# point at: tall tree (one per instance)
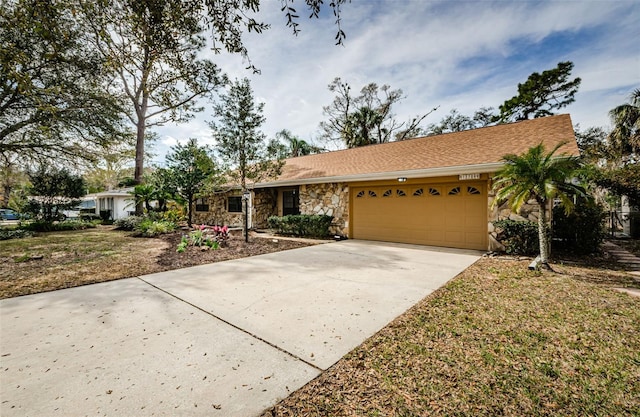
(190, 168)
(542, 94)
(52, 98)
(542, 176)
(593, 145)
(240, 142)
(153, 46)
(367, 118)
(624, 139)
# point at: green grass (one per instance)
(497, 340)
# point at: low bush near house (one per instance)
(152, 228)
(130, 223)
(301, 225)
(518, 237)
(45, 226)
(581, 231)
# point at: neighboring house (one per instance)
(433, 190)
(119, 202)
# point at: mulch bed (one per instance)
(235, 248)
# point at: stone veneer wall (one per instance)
(265, 205)
(529, 211)
(217, 214)
(331, 199)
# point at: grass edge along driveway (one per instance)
(496, 340)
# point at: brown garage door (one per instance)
(451, 215)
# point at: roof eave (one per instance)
(377, 176)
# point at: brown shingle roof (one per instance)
(473, 147)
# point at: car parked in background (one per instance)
(8, 214)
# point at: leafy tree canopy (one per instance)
(53, 190)
(623, 181)
(189, 169)
(542, 94)
(457, 122)
(153, 48)
(52, 98)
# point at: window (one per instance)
(360, 194)
(372, 194)
(290, 202)
(387, 193)
(473, 190)
(202, 204)
(401, 193)
(418, 192)
(234, 204)
(454, 191)
(434, 191)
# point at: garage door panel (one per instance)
(451, 215)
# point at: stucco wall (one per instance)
(331, 199)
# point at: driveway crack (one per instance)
(234, 326)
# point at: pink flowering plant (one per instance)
(221, 234)
(199, 237)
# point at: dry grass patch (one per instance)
(497, 340)
(57, 260)
(67, 259)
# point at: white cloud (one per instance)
(454, 54)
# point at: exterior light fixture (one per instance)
(402, 179)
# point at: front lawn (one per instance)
(56, 260)
(497, 340)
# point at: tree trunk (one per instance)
(543, 236)
(139, 168)
(189, 210)
(6, 194)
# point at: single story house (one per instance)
(433, 190)
(118, 202)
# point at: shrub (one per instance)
(199, 238)
(173, 215)
(518, 237)
(301, 225)
(581, 231)
(14, 234)
(152, 228)
(44, 226)
(128, 223)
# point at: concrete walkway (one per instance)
(227, 339)
(630, 262)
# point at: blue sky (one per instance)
(452, 54)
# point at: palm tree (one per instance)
(540, 176)
(296, 146)
(625, 136)
(363, 128)
(143, 194)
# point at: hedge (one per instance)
(302, 225)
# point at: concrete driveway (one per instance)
(228, 339)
